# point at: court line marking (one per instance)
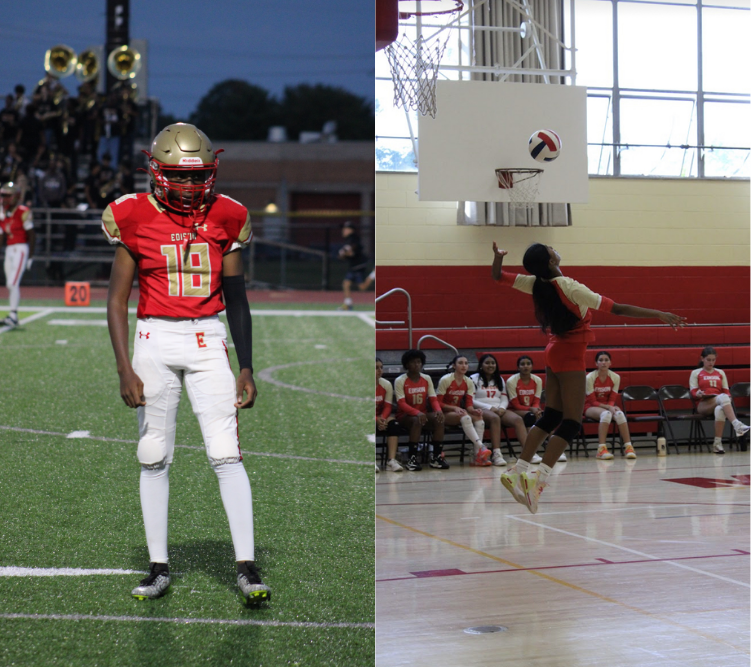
(570, 585)
(191, 620)
(188, 447)
(627, 549)
(266, 375)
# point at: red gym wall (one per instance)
(455, 296)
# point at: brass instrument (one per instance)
(87, 68)
(60, 61)
(124, 63)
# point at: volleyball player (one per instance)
(563, 310)
(384, 421)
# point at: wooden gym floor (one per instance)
(626, 563)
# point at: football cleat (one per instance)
(155, 584)
(252, 589)
(10, 321)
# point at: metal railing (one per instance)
(435, 338)
(399, 322)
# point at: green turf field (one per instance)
(72, 503)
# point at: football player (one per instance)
(17, 234)
(184, 240)
(353, 253)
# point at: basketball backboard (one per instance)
(480, 126)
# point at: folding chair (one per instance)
(641, 404)
(581, 439)
(678, 406)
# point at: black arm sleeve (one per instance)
(238, 317)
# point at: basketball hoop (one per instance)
(522, 185)
(414, 64)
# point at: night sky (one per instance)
(194, 44)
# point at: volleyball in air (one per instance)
(544, 145)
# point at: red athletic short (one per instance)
(566, 356)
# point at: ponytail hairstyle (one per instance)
(452, 364)
(603, 352)
(550, 311)
(496, 377)
(707, 350)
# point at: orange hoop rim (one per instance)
(458, 6)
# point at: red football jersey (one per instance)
(171, 284)
(15, 224)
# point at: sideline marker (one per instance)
(77, 293)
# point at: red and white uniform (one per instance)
(179, 335)
(601, 391)
(384, 397)
(489, 396)
(711, 383)
(453, 392)
(14, 226)
(524, 395)
(413, 397)
(172, 285)
(578, 298)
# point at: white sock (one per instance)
(234, 487)
(348, 301)
(14, 297)
(521, 466)
(627, 444)
(543, 471)
(718, 440)
(738, 424)
(154, 490)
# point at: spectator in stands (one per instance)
(599, 405)
(456, 393)
(48, 113)
(352, 252)
(562, 307)
(87, 115)
(384, 421)
(492, 400)
(128, 112)
(9, 120)
(709, 387)
(91, 186)
(20, 101)
(12, 164)
(109, 124)
(30, 135)
(415, 397)
(53, 185)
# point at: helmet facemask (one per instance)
(184, 188)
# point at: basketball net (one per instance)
(414, 64)
(522, 185)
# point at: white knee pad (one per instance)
(620, 417)
(606, 417)
(223, 449)
(722, 400)
(469, 430)
(719, 414)
(479, 428)
(152, 452)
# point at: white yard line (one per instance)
(297, 313)
(188, 447)
(18, 572)
(628, 549)
(191, 620)
(266, 374)
(39, 314)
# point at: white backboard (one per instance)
(480, 126)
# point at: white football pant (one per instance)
(166, 353)
(15, 264)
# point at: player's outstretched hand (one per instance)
(675, 321)
(246, 384)
(497, 251)
(131, 389)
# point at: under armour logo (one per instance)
(141, 335)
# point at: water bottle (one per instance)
(662, 449)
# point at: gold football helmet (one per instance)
(182, 164)
(10, 194)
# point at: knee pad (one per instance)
(722, 400)
(529, 419)
(223, 449)
(465, 421)
(152, 453)
(606, 417)
(480, 427)
(620, 417)
(568, 430)
(392, 428)
(550, 419)
(719, 414)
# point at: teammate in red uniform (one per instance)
(709, 387)
(384, 421)
(184, 241)
(17, 234)
(414, 391)
(562, 307)
(454, 390)
(599, 404)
